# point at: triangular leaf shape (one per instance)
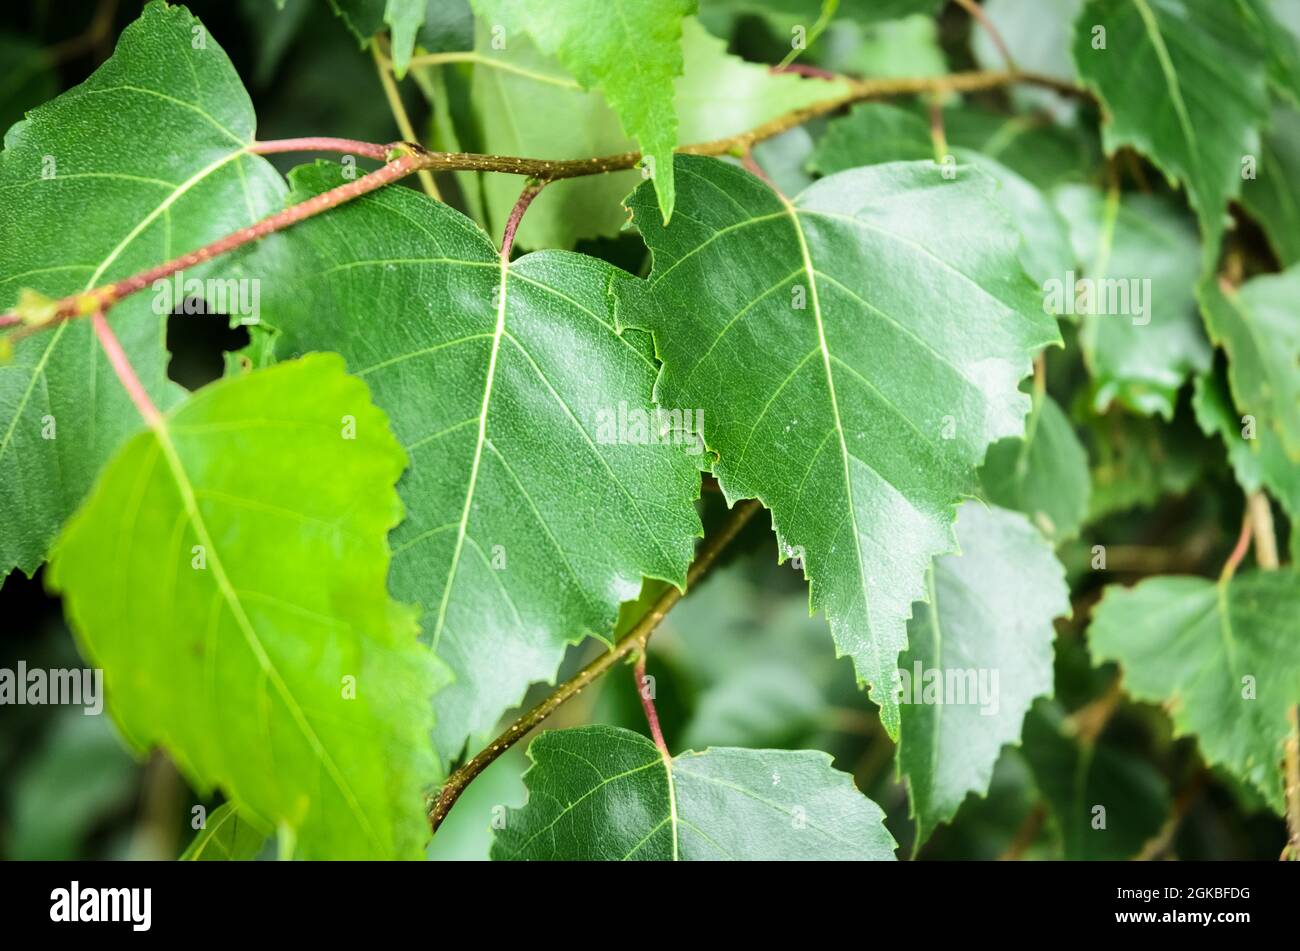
(143, 161)
(834, 386)
(603, 793)
(1183, 82)
(1224, 659)
(987, 633)
(228, 574)
(538, 494)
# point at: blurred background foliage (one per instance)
(739, 662)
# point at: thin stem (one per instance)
(1261, 520)
(648, 705)
(938, 138)
(441, 59)
(1239, 550)
(531, 190)
(385, 70)
(978, 15)
(322, 143)
(125, 372)
(79, 305)
(418, 158)
(634, 639)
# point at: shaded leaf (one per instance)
(1135, 295)
(1223, 658)
(1182, 82)
(984, 640)
(602, 793)
(1044, 475)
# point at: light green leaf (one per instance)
(905, 47)
(228, 574)
(1183, 82)
(986, 635)
(833, 386)
(1044, 475)
(874, 132)
(528, 106)
(601, 793)
(1273, 196)
(1223, 659)
(1257, 327)
(629, 50)
(1135, 293)
(1104, 802)
(140, 163)
(227, 836)
(531, 513)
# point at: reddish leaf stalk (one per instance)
(417, 158)
(648, 705)
(125, 372)
(322, 143)
(79, 305)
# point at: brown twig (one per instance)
(384, 67)
(979, 16)
(634, 639)
(415, 157)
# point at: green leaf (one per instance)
(809, 11)
(530, 513)
(1256, 326)
(402, 18)
(1277, 26)
(1044, 475)
(1136, 460)
(986, 635)
(833, 386)
(630, 50)
(144, 161)
(1255, 452)
(528, 106)
(1038, 150)
(228, 574)
(78, 776)
(29, 78)
(227, 836)
(874, 132)
(1039, 34)
(600, 793)
(1182, 82)
(1104, 802)
(1136, 296)
(1223, 658)
(1272, 197)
